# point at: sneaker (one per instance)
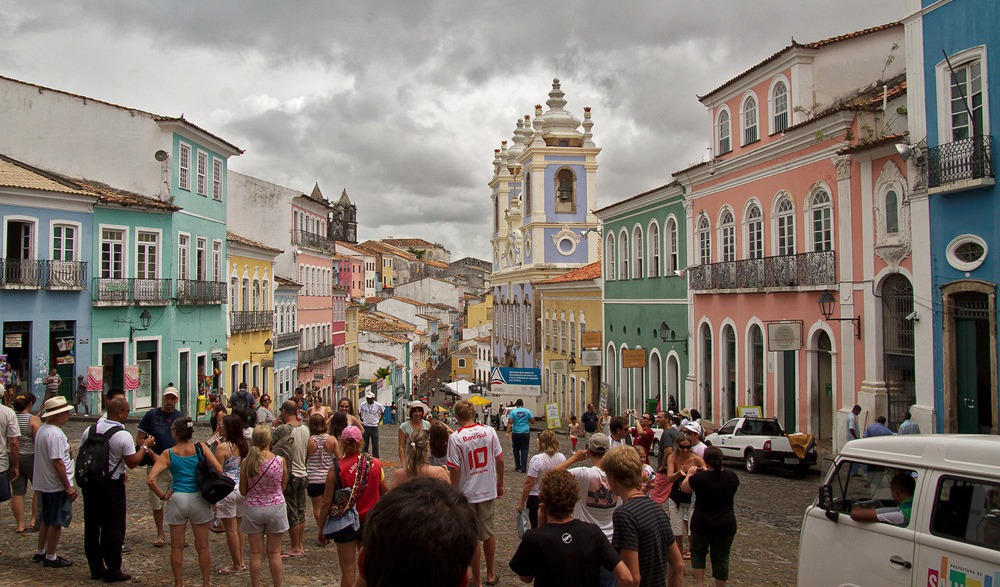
(58, 563)
(37, 558)
(126, 550)
(117, 577)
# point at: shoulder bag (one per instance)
(342, 513)
(213, 485)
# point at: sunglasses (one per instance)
(684, 446)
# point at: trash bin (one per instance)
(651, 406)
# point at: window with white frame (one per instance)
(217, 179)
(234, 294)
(201, 259)
(727, 227)
(256, 295)
(704, 241)
(785, 220)
(202, 174)
(583, 328)
(822, 219)
(723, 133)
(64, 238)
(779, 107)
(183, 256)
(750, 133)
(217, 266)
(755, 233)
(609, 257)
(637, 253)
(572, 335)
(891, 211)
(673, 255)
(112, 253)
(547, 333)
(265, 300)
(517, 322)
(966, 94)
(245, 302)
(529, 321)
(184, 167)
(623, 255)
(654, 250)
(146, 250)
(562, 333)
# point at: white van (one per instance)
(953, 535)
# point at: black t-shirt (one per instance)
(564, 554)
(157, 423)
(713, 504)
(589, 420)
(642, 525)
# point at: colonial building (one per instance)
(343, 222)
(250, 268)
(543, 190)
(286, 338)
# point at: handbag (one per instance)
(343, 514)
(213, 485)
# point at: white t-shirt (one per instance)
(370, 413)
(8, 428)
(473, 451)
(541, 464)
(597, 502)
(699, 449)
(852, 424)
(51, 443)
(119, 446)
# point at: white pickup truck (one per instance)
(760, 442)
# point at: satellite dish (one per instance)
(160, 155)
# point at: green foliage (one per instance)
(415, 252)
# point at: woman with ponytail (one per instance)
(417, 462)
(233, 448)
(263, 477)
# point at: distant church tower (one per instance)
(343, 225)
(543, 190)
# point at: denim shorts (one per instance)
(56, 509)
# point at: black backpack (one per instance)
(240, 402)
(91, 469)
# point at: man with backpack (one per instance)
(106, 448)
(289, 440)
(242, 402)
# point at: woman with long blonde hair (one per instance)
(263, 476)
(416, 463)
(547, 458)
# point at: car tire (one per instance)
(751, 462)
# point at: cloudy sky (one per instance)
(402, 103)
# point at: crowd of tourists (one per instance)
(609, 514)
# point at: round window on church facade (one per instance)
(967, 252)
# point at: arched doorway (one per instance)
(756, 362)
(705, 401)
(821, 387)
(970, 358)
(728, 399)
(898, 365)
(673, 380)
(655, 386)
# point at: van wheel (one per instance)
(751, 462)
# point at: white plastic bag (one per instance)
(523, 522)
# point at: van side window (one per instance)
(967, 510)
(861, 484)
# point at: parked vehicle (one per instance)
(760, 442)
(501, 418)
(953, 533)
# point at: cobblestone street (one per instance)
(769, 509)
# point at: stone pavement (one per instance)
(769, 510)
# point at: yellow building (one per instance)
(351, 351)
(463, 363)
(479, 312)
(571, 317)
(250, 314)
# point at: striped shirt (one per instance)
(642, 525)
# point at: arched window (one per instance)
(565, 191)
(891, 212)
(256, 295)
(704, 241)
(779, 107)
(582, 326)
(723, 133)
(728, 232)
(755, 233)
(234, 294)
(654, 250)
(527, 195)
(785, 219)
(516, 310)
(822, 218)
(246, 294)
(547, 332)
(609, 258)
(562, 334)
(673, 257)
(572, 335)
(529, 322)
(623, 255)
(750, 120)
(637, 256)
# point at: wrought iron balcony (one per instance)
(66, 274)
(288, 340)
(21, 273)
(801, 270)
(249, 321)
(128, 290)
(340, 374)
(353, 371)
(311, 239)
(962, 164)
(315, 354)
(200, 292)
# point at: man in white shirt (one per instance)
(53, 467)
(295, 488)
(694, 432)
(475, 461)
(852, 424)
(104, 506)
(9, 450)
(370, 412)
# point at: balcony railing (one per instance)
(21, 273)
(288, 340)
(66, 274)
(353, 371)
(249, 321)
(200, 292)
(315, 354)
(967, 159)
(311, 239)
(128, 290)
(801, 270)
(340, 374)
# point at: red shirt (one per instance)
(368, 497)
(645, 441)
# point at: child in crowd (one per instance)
(574, 431)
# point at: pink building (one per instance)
(314, 260)
(805, 198)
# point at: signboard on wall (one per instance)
(590, 358)
(749, 412)
(552, 416)
(590, 340)
(784, 336)
(559, 365)
(512, 381)
(633, 358)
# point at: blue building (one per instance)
(950, 109)
(287, 338)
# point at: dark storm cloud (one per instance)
(402, 103)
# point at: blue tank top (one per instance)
(183, 471)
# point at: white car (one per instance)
(759, 442)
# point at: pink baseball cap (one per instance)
(351, 433)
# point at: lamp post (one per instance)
(827, 303)
(144, 320)
(267, 349)
(669, 336)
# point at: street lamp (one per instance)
(667, 335)
(827, 303)
(267, 349)
(144, 320)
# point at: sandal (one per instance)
(493, 582)
(686, 555)
(229, 571)
(160, 541)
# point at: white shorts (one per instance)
(230, 506)
(269, 519)
(679, 513)
(163, 481)
(182, 508)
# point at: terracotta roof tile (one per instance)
(585, 273)
(15, 174)
(232, 236)
(407, 242)
(379, 355)
(117, 197)
(865, 145)
(437, 264)
(285, 281)
(376, 324)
